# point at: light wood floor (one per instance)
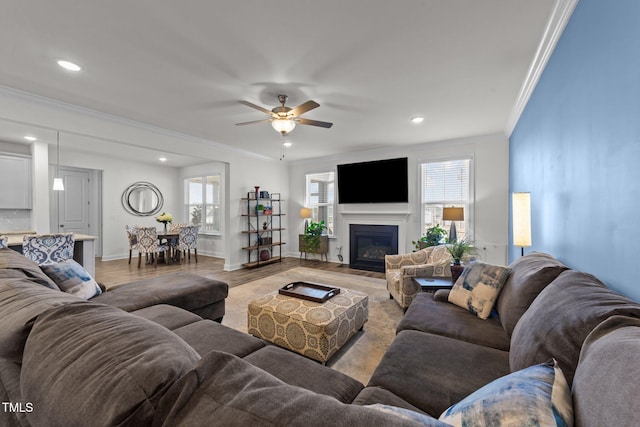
(113, 273)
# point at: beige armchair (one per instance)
(400, 270)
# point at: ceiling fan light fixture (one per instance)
(283, 125)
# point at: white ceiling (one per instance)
(370, 64)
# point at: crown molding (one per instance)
(558, 20)
(118, 120)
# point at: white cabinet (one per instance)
(15, 176)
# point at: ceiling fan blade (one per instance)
(253, 122)
(257, 107)
(303, 108)
(313, 123)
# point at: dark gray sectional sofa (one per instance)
(442, 352)
(72, 362)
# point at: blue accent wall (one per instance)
(576, 147)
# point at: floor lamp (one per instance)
(521, 211)
(453, 214)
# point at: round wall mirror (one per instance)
(142, 199)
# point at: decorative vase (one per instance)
(264, 255)
(165, 228)
(456, 271)
(257, 193)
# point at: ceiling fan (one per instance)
(283, 119)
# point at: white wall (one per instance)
(117, 175)
(490, 154)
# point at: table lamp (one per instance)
(521, 211)
(453, 214)
(306, 213)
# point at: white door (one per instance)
(73, 202)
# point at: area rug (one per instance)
(362, 353)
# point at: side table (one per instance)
(432, 284)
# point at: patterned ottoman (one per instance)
(315, 330)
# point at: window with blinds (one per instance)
(446, 184)
(320, 197)
(202, 205)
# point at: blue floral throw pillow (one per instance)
(535, 396)
(72, 278)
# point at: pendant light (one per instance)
(58, 184)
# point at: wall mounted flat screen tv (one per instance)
(380, 181)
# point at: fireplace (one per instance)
(368, 244)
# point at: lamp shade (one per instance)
(283, 125)
(58, 184)
(453, 214)
(305, 213)
(521, 210)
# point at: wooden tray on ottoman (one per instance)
(309, 291)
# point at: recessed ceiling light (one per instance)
(417, 119)
(68, 65)
(287, 144)
(30, 138)
(163, 159)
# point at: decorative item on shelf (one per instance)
(267, 240)
(306, 213)
(265, 254)
(264, 194)
(259, 240)
(521, 211)
(458, 250)
(453, 214)
(312, 235)
(259, 209)
(433, 237)
(165, 218)
(268, 210)
(257, 187)
(265, 225)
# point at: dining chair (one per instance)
(133, 240)
(187, 240)
(147, 238)
(174, 227)
(48, 248)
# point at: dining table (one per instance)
(170, 238)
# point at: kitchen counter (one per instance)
(84, 251)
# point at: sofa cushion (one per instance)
(206, 336)
(87, 361)
(10, 393)
(606, 386)
(168, 316)
(21, 300)
(14, 265)
(442, 318)
(530, 274)
(188, 291)
(231, 391)
(478, 287)
(535, 396)
(432, 372)
(287, 366)
(72, 278)
(372, 395)
(560, 319)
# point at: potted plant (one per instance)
(259, 209)
(432, 238)
(311, 237)
(458, 250)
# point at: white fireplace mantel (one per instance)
(395, 217)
